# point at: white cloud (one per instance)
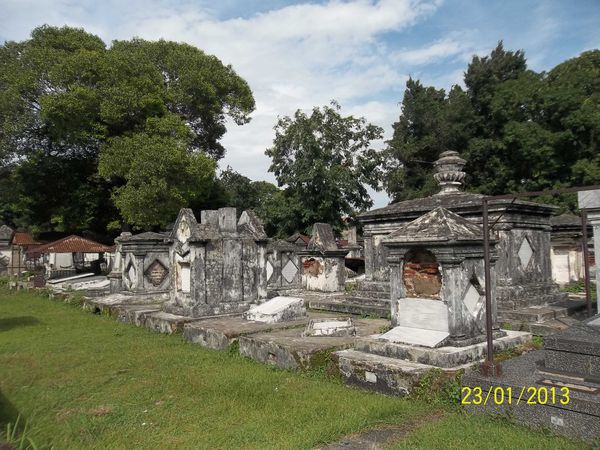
(298, 56)
(433, 52)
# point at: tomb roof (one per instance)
(439, 225)
(146, 236)
(6, 232)
(450, 176)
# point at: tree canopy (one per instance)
(518, 130)
(92, 135)
(323, 162)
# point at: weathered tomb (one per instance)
(218, 265)
(323, 266)
(437, 306)
(437, 279)
(521, 229)
(143, 263)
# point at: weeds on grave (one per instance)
(578, 287)
(536, 343)
(439, 388)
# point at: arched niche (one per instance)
(421, 274)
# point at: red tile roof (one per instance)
(72, 244)
(22, 238)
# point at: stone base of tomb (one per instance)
(510, 297)
(201, 311)
(288, 349)
(349, 304)
(393, 368)
(106, 304)
(544, 320)
(537, 381)
(580, 417)
(221, 333)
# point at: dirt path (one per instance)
(381, 438)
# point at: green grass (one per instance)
(86, 381)
(464, 432)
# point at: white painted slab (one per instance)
(277, 309)
(415, 336)
(595, 322)
(330, 327)
(422, 313)
(74, 277)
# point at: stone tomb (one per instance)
(437, 280)
(323, 265)
(142, 267)
(219, 264)
(437, 307)
(570, 359)
(522, 231)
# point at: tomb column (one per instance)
(590, 202)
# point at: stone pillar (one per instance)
(590, 202)
(396, 287)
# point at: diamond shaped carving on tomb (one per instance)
(289, 271)
(269, 271)
(472, 300)
(525, 252)
(156, 273)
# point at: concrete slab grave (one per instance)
(289, 349)
(277, 309)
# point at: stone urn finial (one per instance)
(449, 174)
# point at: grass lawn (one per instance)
(85, 381)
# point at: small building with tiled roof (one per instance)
(70, 255)
(6, 234)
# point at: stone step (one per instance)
(374, 286)
(379, 373)
(370, 294)
(351, 305)
(546, 328)
(443, 357)
(542, 313)
(581, 364)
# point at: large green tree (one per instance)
(152, 113)
(518, 130)
(324, 161)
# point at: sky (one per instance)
(298, 55)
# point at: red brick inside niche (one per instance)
(421, 274)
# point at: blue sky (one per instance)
(303, 54)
